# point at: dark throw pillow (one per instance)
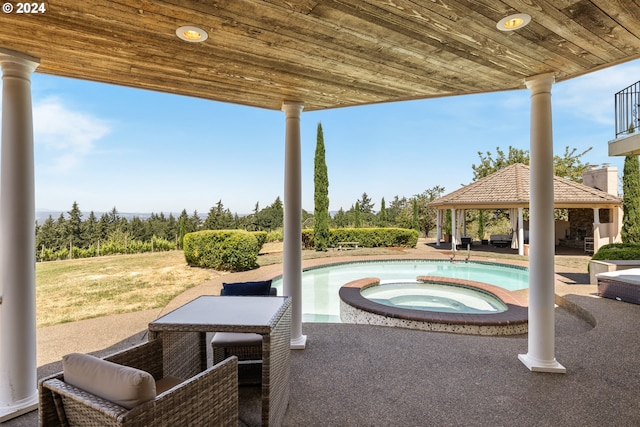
(246, 288)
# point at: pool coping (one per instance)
(358, 309)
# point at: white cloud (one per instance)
(66, 135)
(591, 97)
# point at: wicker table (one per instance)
(183, 333)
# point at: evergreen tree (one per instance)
(171, 230)
(382, 215)
(140, 230)
(103, 226)
(92, 235)
(320, 195)
(356, 216)
(74, 226)
(61, 233)
(481, 224)
(213, 221)
(395, 209)
(182, 231)
(631, 200)
(366, 206)
(194, 222)
(46, 237)
(340, 219)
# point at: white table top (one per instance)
(224, 311)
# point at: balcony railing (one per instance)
(627, 106)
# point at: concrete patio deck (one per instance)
(378, 376)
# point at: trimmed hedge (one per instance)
(227, 250)
(617, 251)
(366, 237)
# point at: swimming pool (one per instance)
(320, 285)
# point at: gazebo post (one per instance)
(453, 230)
(596, 229)
(520, 232)
(438, 227)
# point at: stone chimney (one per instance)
(604, 178)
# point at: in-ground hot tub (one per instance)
(439, 297)
(442, 304)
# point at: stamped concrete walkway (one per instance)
(378, 376)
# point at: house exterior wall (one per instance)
(603, 179)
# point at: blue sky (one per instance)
(143, 151)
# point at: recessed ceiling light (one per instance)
(513, 22)
(189, 33)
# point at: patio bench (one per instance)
(346, 245)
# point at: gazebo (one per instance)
(509, 188)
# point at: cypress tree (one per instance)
(631, 200)
(356, 215)
(320, 196)
(382, 215)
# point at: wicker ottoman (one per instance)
(622, 285)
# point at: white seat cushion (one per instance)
(227, 339)
(122, 385)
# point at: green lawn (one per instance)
(72, 290)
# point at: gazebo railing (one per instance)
(627, 103)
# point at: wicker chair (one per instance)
(208, 398)
(246, 347)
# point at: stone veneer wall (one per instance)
(581, 222)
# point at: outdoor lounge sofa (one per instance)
(208, 398)
(500, 240)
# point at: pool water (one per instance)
(320, 285)
(434, 297)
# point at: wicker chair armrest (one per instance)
(93, 410)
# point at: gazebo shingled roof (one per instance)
(509, 188)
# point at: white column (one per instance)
(438, 227)
(292, 268)
(453, 230)
(464, 224)
(596, 229)
(520, 232)
(541, 338)
(18, 366)
(617, 227)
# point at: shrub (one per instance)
(159, 245)
(366, 237)
(229, 250)
(619, 251)
(84, 252)
(261, 236)
(275, 236)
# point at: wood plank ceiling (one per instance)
(325, 53)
